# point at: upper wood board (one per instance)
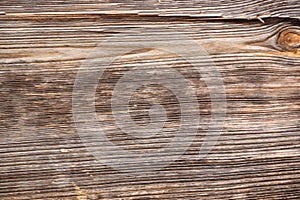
(229, 9)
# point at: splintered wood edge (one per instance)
(205, 16)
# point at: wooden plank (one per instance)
(242, 9)
(42, 156)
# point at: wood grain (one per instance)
(230, 9)
(256, 157)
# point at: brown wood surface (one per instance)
(196, 8)
(257, 155)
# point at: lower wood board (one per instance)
(42, 155)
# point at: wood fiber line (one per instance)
(257, 155)
(242, 9)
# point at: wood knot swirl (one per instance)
(289, 40)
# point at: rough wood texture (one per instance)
(227, 8)
(256, 157)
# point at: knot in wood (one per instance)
(289, 40)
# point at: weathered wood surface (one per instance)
(42, 156)
(226, 8)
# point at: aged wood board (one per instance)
(254, 46)
(226, 8)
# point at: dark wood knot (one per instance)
(289, 40)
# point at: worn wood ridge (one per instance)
(44, 43)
